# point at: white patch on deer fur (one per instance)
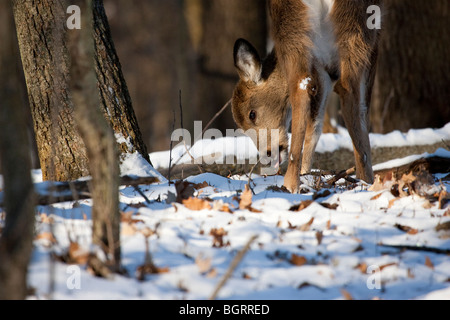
(322, 34)
(304, 83)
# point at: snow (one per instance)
(304, 83)
(243, 148)
(350, 249)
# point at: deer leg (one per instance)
(318, 96)
(352, 91)
(299, 99)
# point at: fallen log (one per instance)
(433, 164)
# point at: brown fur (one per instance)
(268, 87)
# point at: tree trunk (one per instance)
(97, 136)
(114, 94)
(41, 32)
(411, 87)
(41, 36)
(17, 235)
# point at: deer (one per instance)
(318, 45)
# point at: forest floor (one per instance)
(236, 236)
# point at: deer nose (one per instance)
(269, 153)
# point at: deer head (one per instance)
(260, 102)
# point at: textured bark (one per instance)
(42, 40)
(17, 235)
(114, 94)
(411, 87)
(97, 136)
(40, 30)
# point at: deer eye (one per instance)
(252, 115)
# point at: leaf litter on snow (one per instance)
(328, 242)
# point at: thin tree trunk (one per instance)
(115, 97)
(17, 235)
(97, 136)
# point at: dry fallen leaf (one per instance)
(202, 185)
(127, 229)
(388, 265)
(443, 226)
(427, 205)
(251, 209)
(391, 202)
(48, 236)
(306, 226)
(362, 267)
(346, 294)
(220, 206)
(246, 198)
(147, 232)
(46, 219)
(319, 237)
(211, 273)
(203, 264)
(246, 276)
(382, 183)
(406, 229)
(298, 260)
(76, 254)
(126, 216)
(331, 206)
(408, 178)
(218, 235)
(149, 268)
(428, 263)
(245, 201)
(303, 205)
(444, 196)
(375, 197)
(197, 204)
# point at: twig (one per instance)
(342, 174)
(184, 140)
(216, 116)
(416, 248)
(250, 177)
(386, 106)
(142, 194)
(204, 130)
(237, 259)
(171, 146)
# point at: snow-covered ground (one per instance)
(243, 148)
(351, 242)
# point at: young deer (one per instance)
(317, 44)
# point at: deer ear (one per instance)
(247, 61)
